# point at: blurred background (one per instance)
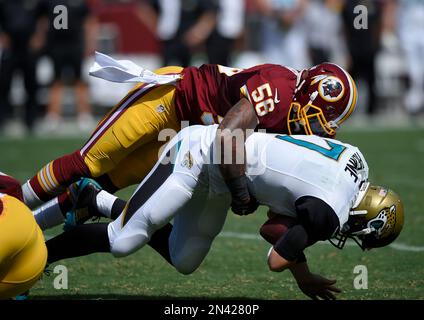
(49, 105)
(45, 88)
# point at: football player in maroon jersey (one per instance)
(124, 146)
(23, 253)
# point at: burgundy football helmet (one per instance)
(325, 96)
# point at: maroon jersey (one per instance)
(205, 94)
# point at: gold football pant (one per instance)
(123, 147)
(125, 144)
(23, 254)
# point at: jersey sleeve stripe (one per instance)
(42, 182)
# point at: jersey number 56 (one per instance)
(263, 101)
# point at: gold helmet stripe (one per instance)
(352, 99)
(353, 105)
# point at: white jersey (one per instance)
(188, 188)
(284, 168)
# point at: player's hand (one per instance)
(316, 286)
(243, 202)
(243, 208)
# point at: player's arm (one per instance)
(316, 221)
(231, 136)
(312, 285)
(288, 250)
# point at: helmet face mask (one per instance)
(309, 120)
(375, 222)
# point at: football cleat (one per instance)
(375, 220)
(84, 192)
(23, 296)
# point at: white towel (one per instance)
(125, 71)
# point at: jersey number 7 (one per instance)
(334, 152)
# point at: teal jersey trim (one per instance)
(177, 147)
(334, 152)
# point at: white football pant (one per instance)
(178, 191)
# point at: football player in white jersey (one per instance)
(318, 182)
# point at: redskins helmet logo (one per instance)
(331, 89)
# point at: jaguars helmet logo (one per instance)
(331, 89)
(384, 221)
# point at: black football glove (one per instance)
(243, 203)
(244, 208)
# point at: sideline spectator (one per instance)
(67, 48)
(22, 35)
(411, 31)
(284, 33)
(325, 31)
(229, 26)
(363, 45)
(182, 25)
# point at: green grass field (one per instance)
(236, 265)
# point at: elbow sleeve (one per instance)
(291, 245)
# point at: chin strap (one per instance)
(363, 232)
(126, 71)
(358, 212)
(332, 124)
